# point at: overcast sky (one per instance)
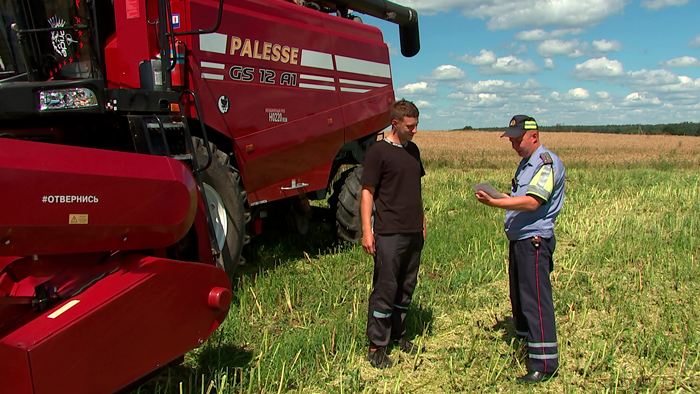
(574, 62)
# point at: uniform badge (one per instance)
(512, 122)
(546, 158)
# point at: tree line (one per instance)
(685, 128)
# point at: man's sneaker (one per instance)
(408, 347)
(378, 358)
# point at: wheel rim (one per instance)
(217, 210)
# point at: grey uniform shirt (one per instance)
(541, 175)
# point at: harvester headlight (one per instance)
(67, 99)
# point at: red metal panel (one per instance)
(112, 64)
(66, 199)
(286, 132)
(366, 34)
(282, 154)
(15, 364)
(369, 114)
(316, 178)
(136, 42)
(279, 23)
(369, 92)
(134, 320)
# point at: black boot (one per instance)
(407, 346)
(535, 377)
(378, 358)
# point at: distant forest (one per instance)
(685, 128)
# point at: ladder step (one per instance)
(166, 125)
(185, 157)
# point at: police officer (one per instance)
(532, 207)
(391, 181)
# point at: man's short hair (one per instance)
(403, 108)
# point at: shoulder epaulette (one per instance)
(546, 158)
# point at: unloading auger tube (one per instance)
(405, 17)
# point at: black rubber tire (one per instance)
(226, 180)
(346, 203)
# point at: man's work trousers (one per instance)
(396, 263)
(531, 298)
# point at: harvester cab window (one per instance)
(44, 55)
(8, 54)
(70, 47)
(7, 66)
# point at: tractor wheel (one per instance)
(347, 193)
(227, 205)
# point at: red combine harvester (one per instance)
(142, 142)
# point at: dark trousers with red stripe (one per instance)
(530, 264)
(396, 264)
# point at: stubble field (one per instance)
(625, 280)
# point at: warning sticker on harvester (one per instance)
(62, 309)
(276, 115)
(78, 218)
(132, 9)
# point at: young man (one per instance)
(532, 207)
(391, 181)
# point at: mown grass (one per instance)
(626, 284)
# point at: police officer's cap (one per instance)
(519, 125)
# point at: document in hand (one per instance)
(489, 189)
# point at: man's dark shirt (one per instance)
(396, 173)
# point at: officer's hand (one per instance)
(483, 197)
(368, 242)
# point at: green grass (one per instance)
(626, 283)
